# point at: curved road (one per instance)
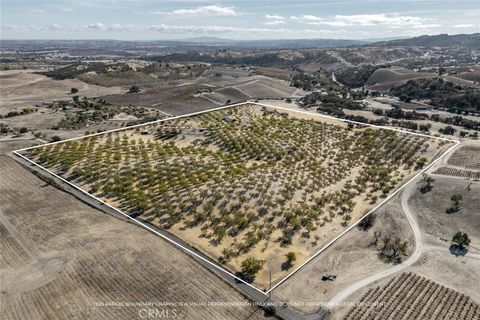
(406, 192)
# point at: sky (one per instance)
(245, 19)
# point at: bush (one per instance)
(367, 222)
(73, 90)
(449, 130)
(56, 138)
(134, 89)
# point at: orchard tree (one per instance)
(291, 258)
(250, 267)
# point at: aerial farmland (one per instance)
(249, 186)
(239, 160)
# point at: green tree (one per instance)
(421, 162)
(23, 130)
(426, 183)
(291, 258)
(73, 90)
(456, 200)
(393, 249)
(250, 267)
(366, 223)
(461, 240)
(134, 89)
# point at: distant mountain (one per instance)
(272, 44)
(208, 40)
(442, 40)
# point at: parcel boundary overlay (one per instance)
(265, 294)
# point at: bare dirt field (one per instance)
(473, 76)
(458, 80)
(274, 72)
(289, 186)
(21, 88)
(177, 98)
(60, 257)
(17, 143)
(409, 296)
(351, 258)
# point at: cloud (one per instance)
(213, 10)
(55, 27)
(364, 20)
(98, 26)
(274, 22)
(210, 29)
(67, 10)
(40, 11)
(466, 25)
(274, 17)
(307, 18)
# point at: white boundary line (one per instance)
(231, 106)
(16, 152)
(363, 217)
(136, 125)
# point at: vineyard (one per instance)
(463, 163)
(448, 171)
(246, 181)
(467, 157)
(409, 296)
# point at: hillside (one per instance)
(442, 40)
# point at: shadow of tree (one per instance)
(452, 210)
(458, 250)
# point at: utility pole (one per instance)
(270, 292)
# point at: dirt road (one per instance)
(339, 297)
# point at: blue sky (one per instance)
(246, 19)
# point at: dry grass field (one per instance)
(431, 208)
(245, 181)
(409, 296)
(385, 79)
(204, 93)
(65, 256)
(21, 88)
